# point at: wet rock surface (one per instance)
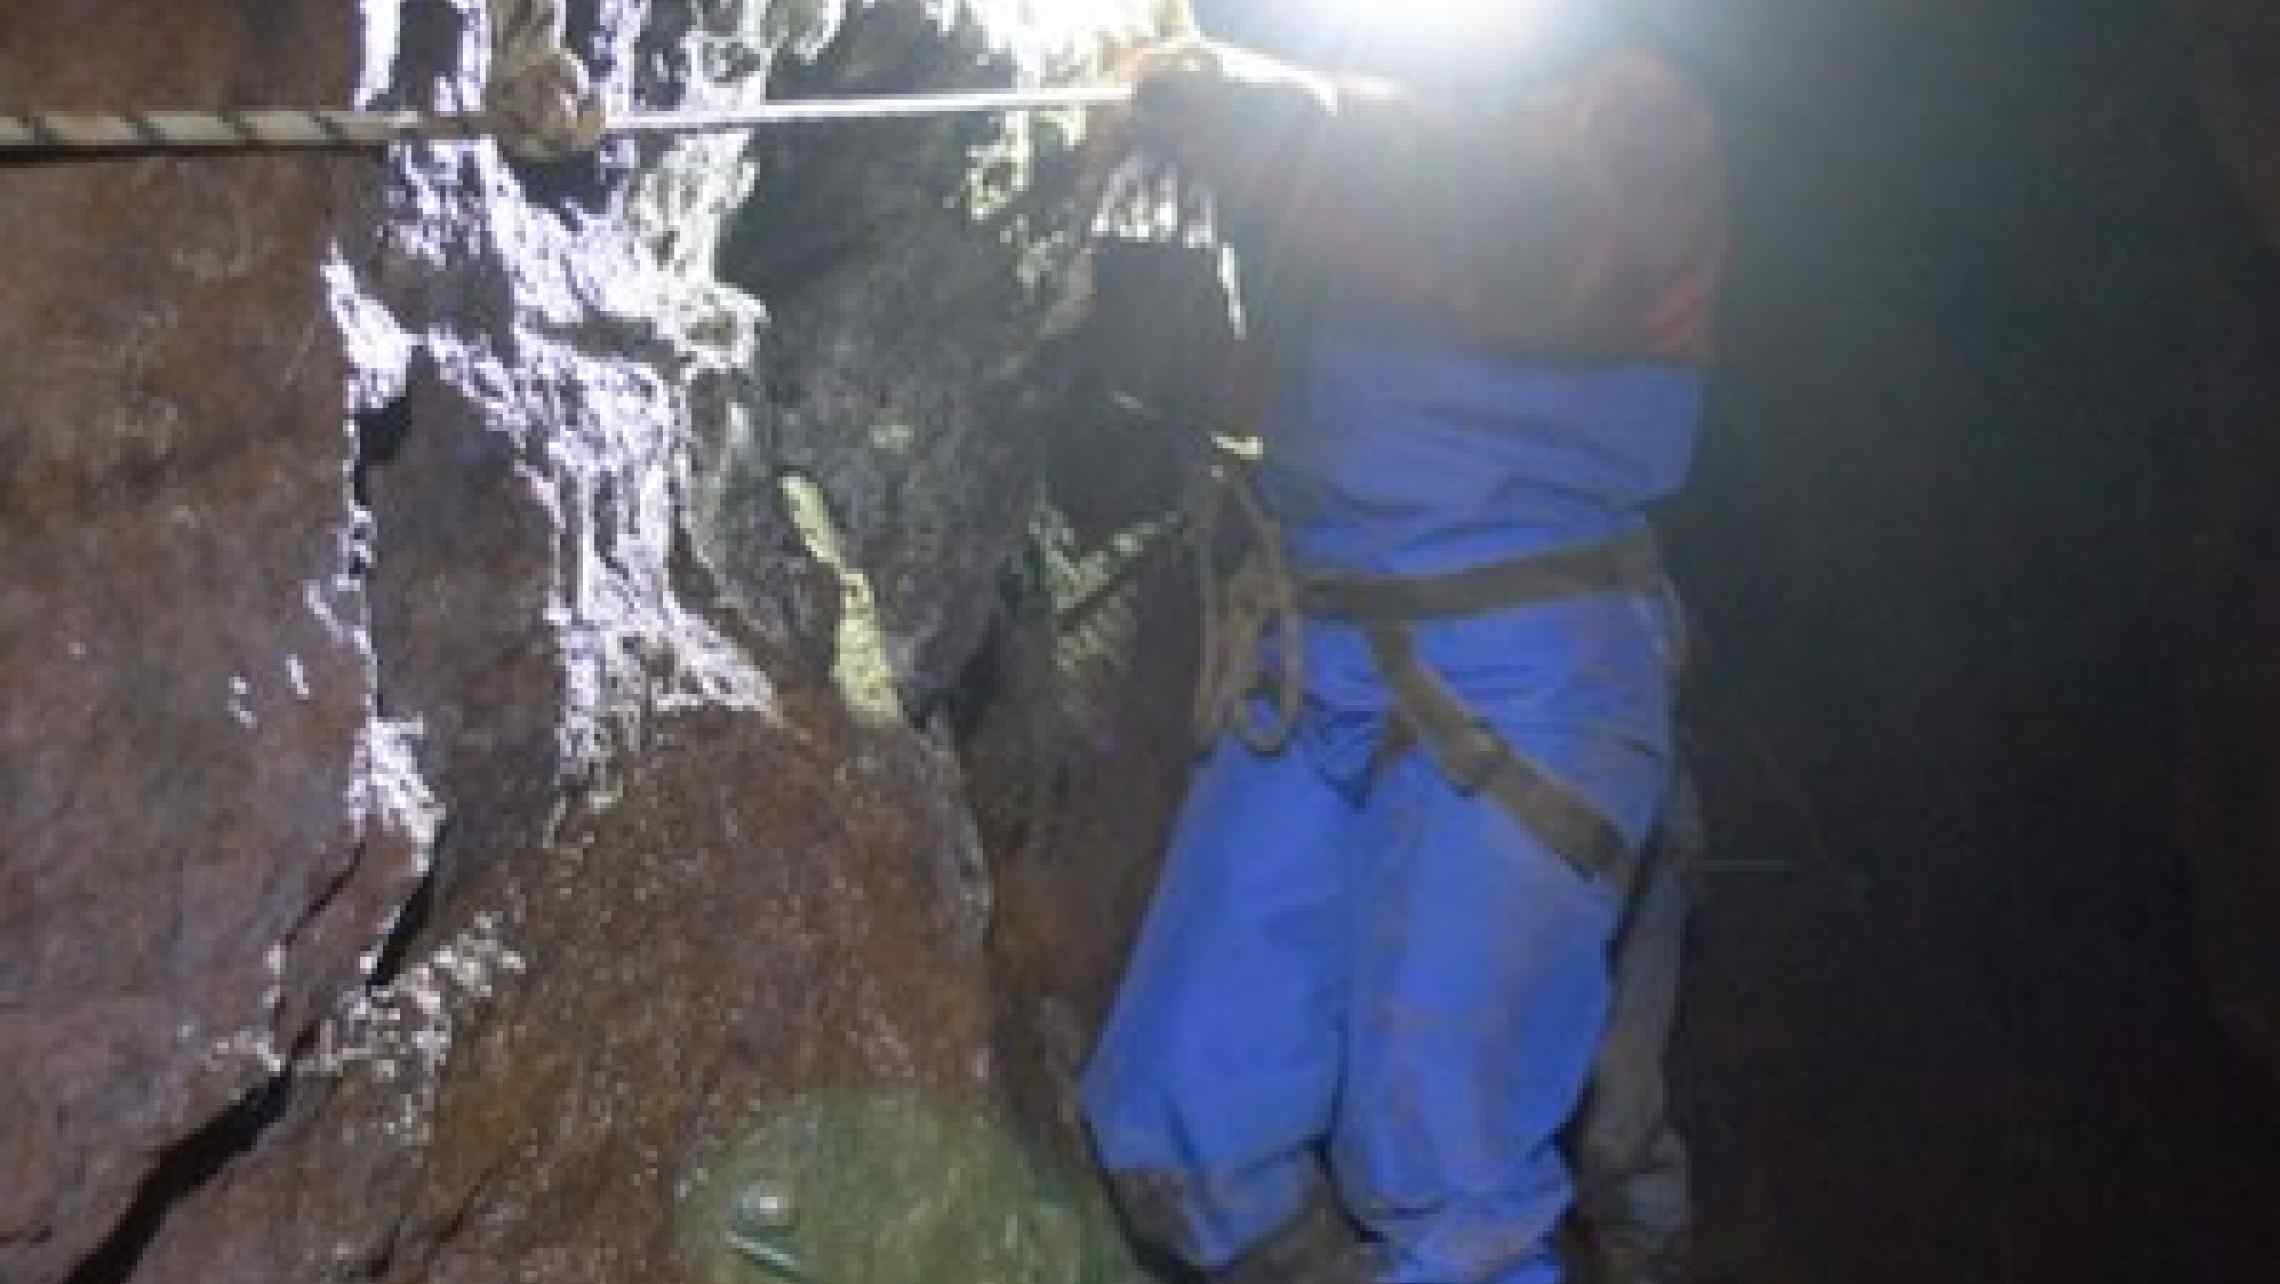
(203, 822)
(553, 1090)
(478, 728)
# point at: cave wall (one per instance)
(1970, 542)
(2232, 794)
(487, 666)
(2234, 45)
(204, 818)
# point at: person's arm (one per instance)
(1561, 221)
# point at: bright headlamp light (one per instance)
(1422, 40)
(1455, 23)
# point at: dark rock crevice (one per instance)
(381, 430)
(407, 932)
(177, 1174)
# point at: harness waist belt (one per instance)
(1470, 752)
(1628, 564)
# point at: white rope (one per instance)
(190, 130)
(273, 129)
(540, 106)
(802, 111)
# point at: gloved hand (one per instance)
(1193, 98)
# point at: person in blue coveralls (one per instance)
(1478, 253)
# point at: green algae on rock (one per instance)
(892, 1190)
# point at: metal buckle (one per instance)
(1474, 756)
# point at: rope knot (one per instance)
(1240, 611)
(540, 97)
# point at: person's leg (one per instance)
(1632, 1197)
(1480, 990)
(1213, 1083)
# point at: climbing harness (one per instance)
(540, 106)
(1262, 597)
(1469, 751)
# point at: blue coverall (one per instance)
(1359, 973)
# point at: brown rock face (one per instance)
(201, 824)
(746, 931)
(480, 701)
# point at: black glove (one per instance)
(1195, 100)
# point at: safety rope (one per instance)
(1238, 611)
(290, 128)
(540, 106)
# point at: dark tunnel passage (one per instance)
(1964, 604)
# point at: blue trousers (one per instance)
(1371, 980)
